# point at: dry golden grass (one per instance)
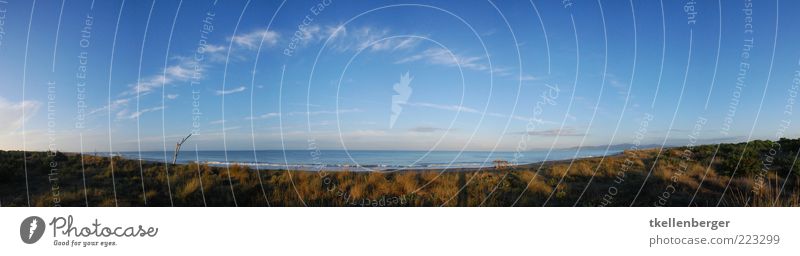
(520, 185)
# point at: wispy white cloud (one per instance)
(210, 48)
(515, 117)
(444, 57)
(11, 118)
(335, 31)
(313, 32)
(374, 39)
(264, 116)
(231, 128)
(148, 84)
(303, 113)
(251, 40)
(568, 131)
(439, 56)
(235, 90)
(391, 44)
(531, 78)
(329, 112)
(125, 115)
(113, 106)
(342, 38)
(455, 108)
(184, 69)
(426, 129)
(619, 86)
(464, 109)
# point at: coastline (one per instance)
(613, 180)
(363, 160)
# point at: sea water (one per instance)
(357, 160)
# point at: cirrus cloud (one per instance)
(11, 118)
(231, 91)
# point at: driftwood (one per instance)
(178, 148)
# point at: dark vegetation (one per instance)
(767, 175)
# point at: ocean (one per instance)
(360, 160)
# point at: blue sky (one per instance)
(477, 70)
